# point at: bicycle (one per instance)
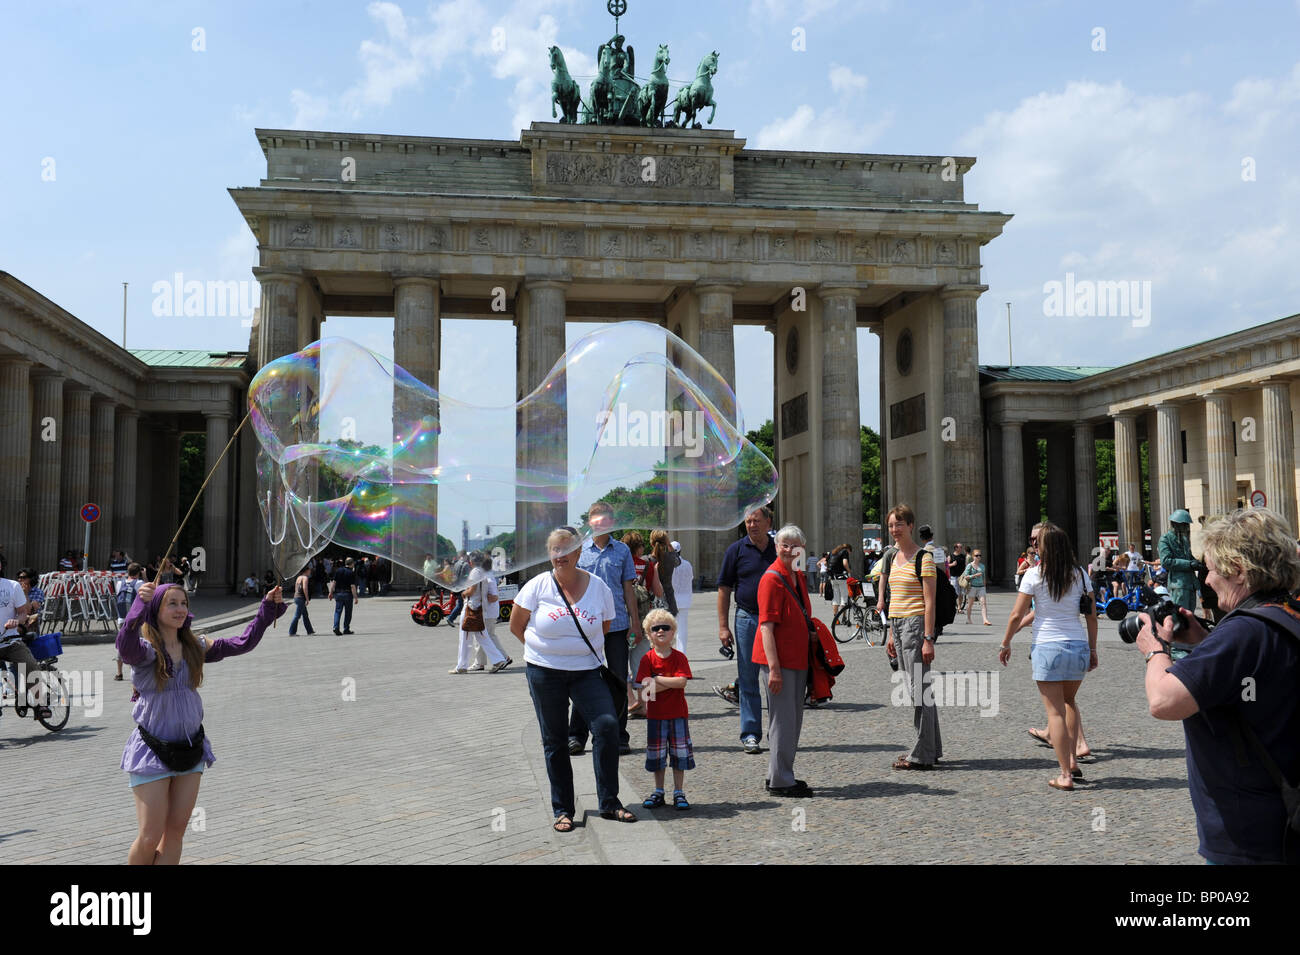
(58, 702)
(859, 618)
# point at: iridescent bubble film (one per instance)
(356, 452)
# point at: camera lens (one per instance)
(1129, 628)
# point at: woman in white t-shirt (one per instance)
(1061, 653)
(491, 613)
(562, 665)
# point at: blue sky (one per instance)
(1120, 164)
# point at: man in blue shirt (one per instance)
(611, 561)
(743, 565)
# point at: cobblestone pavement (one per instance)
(423, 766)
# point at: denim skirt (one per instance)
(1058, 662)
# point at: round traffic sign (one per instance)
(1257, 499)
(90, 513)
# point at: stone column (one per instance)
(124, 487)
(1060, 481)
(101, 481)
(43, 534)
(216, 497)
(1279, 451)
(841, 474)
(76, 468)
(167, 487)
(542, 443)
(1167, 467)
(718, 347)
(277, 331)
(963, 458)
(416, 338)
(1127, 482)
(1013, 514)
(15, 458)
(1085, 489)
(1222, 463)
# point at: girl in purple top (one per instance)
(167, 669)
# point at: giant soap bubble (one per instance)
(354, 450)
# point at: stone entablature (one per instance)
(1236, 361)
(36, 328)
(553, 159)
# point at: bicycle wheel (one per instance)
(876, 628)
(841, 626)
(858, 619)
(58, 701)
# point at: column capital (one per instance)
(717, 286)
(1217, 392)
(1167, 403)
(416, 278)
(841, 290)
(561, 282)
(291, 276)
(1275, 381)
(47, 374)
(17, 361)
(949, 292)
(1129, 417)
(124, 412)
(217, 414)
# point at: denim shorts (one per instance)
(139, 779)
(1058, 662)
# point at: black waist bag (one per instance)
(178, 757)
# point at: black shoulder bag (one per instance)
(617, 687)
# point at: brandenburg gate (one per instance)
(682, 227)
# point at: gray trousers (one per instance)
(909, 634)
(784, 723)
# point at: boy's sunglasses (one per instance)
(660, 628)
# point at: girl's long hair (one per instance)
(660, 546)
(1056, 560)
(191, 650)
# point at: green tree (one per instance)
(870, 476)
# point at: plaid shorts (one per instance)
(668, 741)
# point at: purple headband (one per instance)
(156, 603)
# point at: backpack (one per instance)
(645, 600)
(945, 605)
(126, 596)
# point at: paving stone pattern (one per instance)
(422, 764)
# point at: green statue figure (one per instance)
(1175, 553)
(564, 88)
(613, 100)
(654, 95)
(691, 99)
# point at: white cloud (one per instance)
(309, 112)
(840, 126)
(844, 80)
(1114, 184)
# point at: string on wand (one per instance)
(198, 497)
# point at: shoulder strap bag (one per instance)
(617, 687)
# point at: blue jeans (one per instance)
(343, 608)
(455, 610)
(616, 655)
(300, 613)
(551, 691)
(751, 703)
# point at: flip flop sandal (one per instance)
(1055, 785)
(619, 815)
(1076, 773)
(902, 763)
(679, 801)
(653, 801)
(1040, 739)
(563, 824)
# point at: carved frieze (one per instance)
(602, 169)
(902, 252)
(613, 244)
(944, 253)
(393, 236)
(527, 240)
(301, 233)
(437, 238)
(823, 248)
(570, 242)
(481, 237)
(347, 237)
(656, 243)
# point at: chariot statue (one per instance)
(615, 98)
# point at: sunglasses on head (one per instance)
(661, 628)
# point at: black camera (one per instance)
(1158, 607)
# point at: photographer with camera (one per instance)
(1236, 691)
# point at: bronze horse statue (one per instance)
(691, 99)
(564, 88)
(653, 97)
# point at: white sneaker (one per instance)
(457, 670)
(476, 667)
(751, 744)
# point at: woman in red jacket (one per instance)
(782, 654)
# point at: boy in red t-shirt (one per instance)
(663, 674)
